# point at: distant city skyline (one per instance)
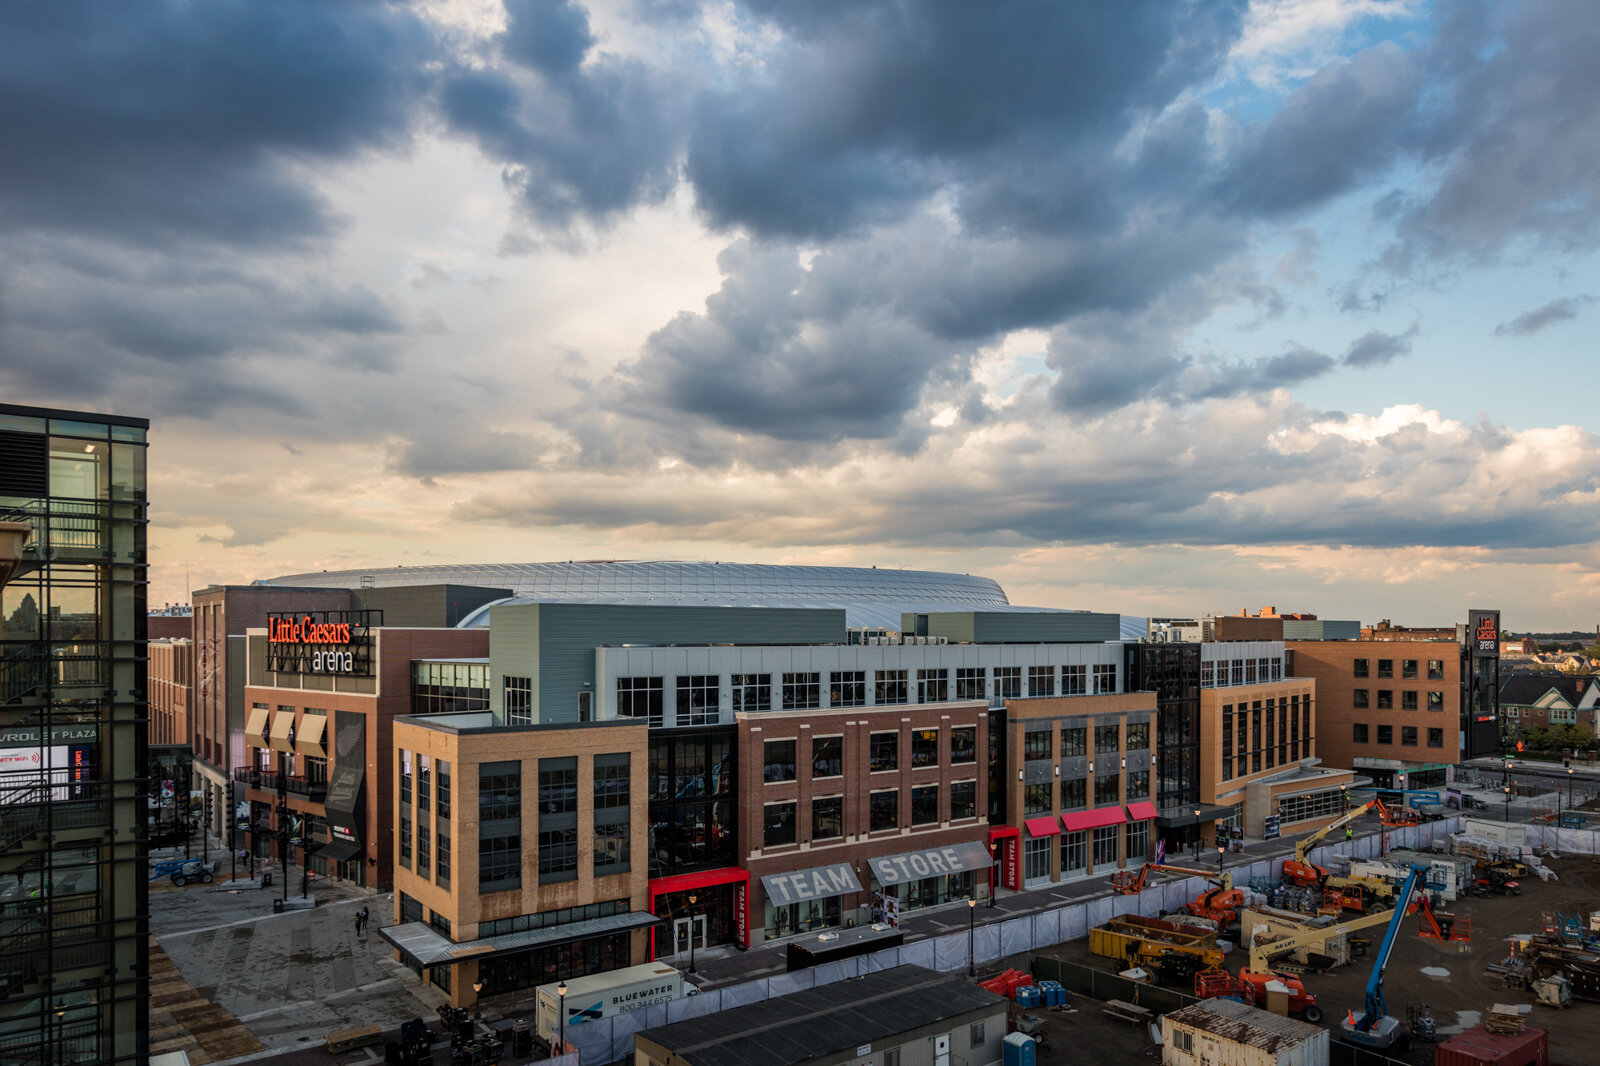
(1150, 308)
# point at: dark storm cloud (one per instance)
(1529, 322)
(179, 121)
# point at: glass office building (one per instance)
(74, 978)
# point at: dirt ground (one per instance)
(1455, 985)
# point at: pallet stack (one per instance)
(1504, 1020)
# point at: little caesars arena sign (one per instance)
(322, 642)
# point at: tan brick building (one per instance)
(171, 668)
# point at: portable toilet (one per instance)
(1018, 1050)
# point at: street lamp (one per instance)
(1344, 790)
(1197, 834)
(972, 917)
(561, 1018)
(1507, 791)
(477, 1000)
(692, 899)
(1221, 848)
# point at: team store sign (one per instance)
(328, 642)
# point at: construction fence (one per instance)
(608, 1040)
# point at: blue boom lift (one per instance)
(1376, 1028)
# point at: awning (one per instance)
(1000, 832)
(426, 946)
(1180, 817)
(282, 726)
(1045, 826)
(819, 882)
(1079, 821)
(308, 738)
(339, 850)
(1142, 810)
(730, 875)
(934, 862)
(255, 728)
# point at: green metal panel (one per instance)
(956, 627)
(1045, 627)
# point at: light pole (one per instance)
(561, 1018)
(1572, 796)
(1344, 790)
(1221, 848)
(477, 1001)
(972, 917)
(1507, 791)
(1197, 835)
(691, 933)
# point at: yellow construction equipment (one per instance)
(1302, 871)
(1262, 954)
(1129, 882)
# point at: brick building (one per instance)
(171, 673)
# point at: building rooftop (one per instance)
(834, 1018)
(1243, 1024)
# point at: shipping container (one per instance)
(1479, 1047)
(603, 995)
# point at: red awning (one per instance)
(1043, 827)
(1078, 821)
(660, 886)
(999, 832)
(1141, 811)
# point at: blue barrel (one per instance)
(1028, 996)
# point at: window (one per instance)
(1359, 699)
(1208, 674)
(1386, 734)
(1385, 699)
(891, 1057)
(1036, 799)
(802, 691)
(1105, 678)
(964, 744)
(611, 849)
(1138, 841)
(1408, 669)
(1250, 671)
(1107, 788)
(1074, 741)
(405, 778)
(1408, 736)
(1359, 667)
(827, 818)
(1436, 738)
(933, 686)
(558, 788)
(1074, 792)
(969, 683)
(499, 792)
(1227, 741)
(1073, 681)
(611, 782)
(925, 805)
(827, 756)
(1435, 669)
(499, 863)
(975, 1035)
(777, 761)
(777, 824)
(558, 853)
(1074, 853)
(1139, 784)
(1360, 733)
(1408, 700)
(1036, 859)
(1138, 736)
(924, 747)
(405, 837)
(640, 697)
(1183, 1040)
(847, 688)
(1041, 681)
(697, 699)
(891, 686)
(1436, 701)
(1007, 682)
(1385, 668)
(1036, 744)
(752, 693)
(1105, 739)
(518, 701)
(883, 810)
(1105, 846)
(1236, 669)
(963, 800)
(885, 752)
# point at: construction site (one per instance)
(1393, 955)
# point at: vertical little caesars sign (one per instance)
(1483, 630)
(322, 642)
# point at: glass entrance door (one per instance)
(688, 933)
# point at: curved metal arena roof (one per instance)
(869, 597)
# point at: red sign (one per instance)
(1010, 862)
(307, 630)
(741, 912)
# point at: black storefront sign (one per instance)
(322, 642)
(345, 810)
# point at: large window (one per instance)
(558, 819)
(1138, 736)
(969, 683)
(1386, 699)
(1105, 678)
(611, 783)
(558, 788)
(924, 747)
(1105, 739)
(1408, 736)
(1436, 701)
(612, 810)
(1328, 803)
(1074, 680)
(1386, 734)
(1107, 788)
(827, 817)
(1435, 669)
(1041, 681)
(1007, 682)
(1408, 700)
(777, 761)
(802, 691)
(640, 697)
(1436, 738)
(1074, 853)
(963, 800)
(752, 693)
(1105, 845)
(1139, 784)
(777, 824)
(827, 756)
(964, 744)
(697, 699)
(1036, 744)
(1358, 667)
(558, 854)
(1138, 841)
(1385, 668)
(1074, 741)
(1036, 798)
(890, 686)
(499, 863)
(847, 688)
(933, 686)
(925, 805)
(883, 810)
(1358, 733)
(518, 701)
(611, 848)
(1360, 699)
(884, 754)
(1074, 793)
(499, 792)
(1408, 669)
(1036, 858)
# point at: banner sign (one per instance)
(322, 642)
(1483, 630)
(346, 814)
(820, 882)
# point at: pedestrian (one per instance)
(366, 919)
(1349, 834)
(358, 923)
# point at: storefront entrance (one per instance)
(709, 908)
(688, 934)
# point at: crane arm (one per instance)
(1375, 1006)
(1261, 955)
(1303, 847)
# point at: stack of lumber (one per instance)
(1504, 1020)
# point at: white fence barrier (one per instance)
(611, 1039)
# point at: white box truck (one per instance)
(602, 995)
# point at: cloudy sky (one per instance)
(1152, 307)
